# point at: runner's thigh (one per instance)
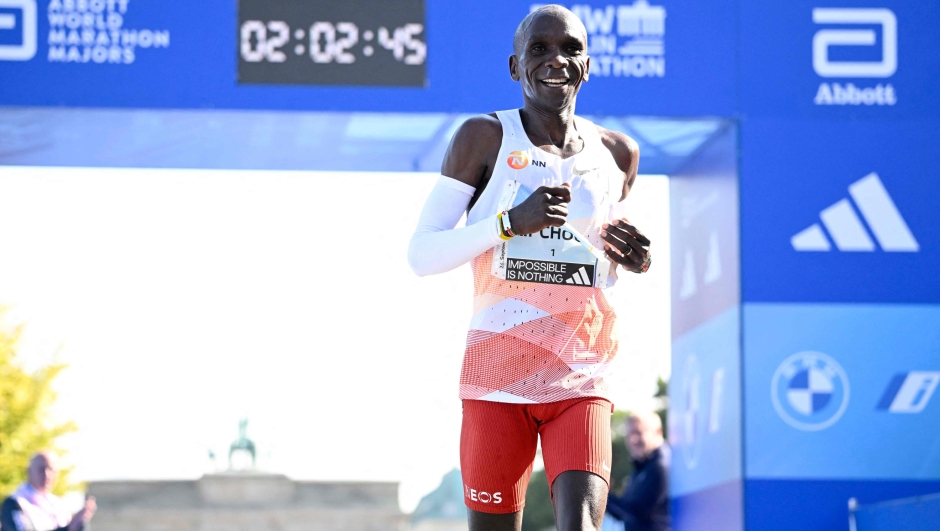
(578, 438)
(497, 448)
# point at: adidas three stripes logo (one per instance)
(846, 229)
(580, 277)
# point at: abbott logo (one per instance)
(855, 37)
(25, 23)
(846, 229)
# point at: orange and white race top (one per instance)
(532, 342)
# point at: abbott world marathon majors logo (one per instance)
(853, 32)
(810, 391)
(79, 31)
(624, 40)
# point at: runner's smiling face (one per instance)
(551, 61)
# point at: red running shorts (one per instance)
(498, 443)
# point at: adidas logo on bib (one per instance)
(581, 277)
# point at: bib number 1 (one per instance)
(554, 255)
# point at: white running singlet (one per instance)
(552, 340)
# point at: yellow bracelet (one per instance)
(502, 233)
(507, 225)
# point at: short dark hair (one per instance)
(551, 9)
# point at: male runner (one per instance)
(543, 333)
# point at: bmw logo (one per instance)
(810, 391)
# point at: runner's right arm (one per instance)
(437, 246)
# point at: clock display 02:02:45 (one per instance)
(328, 42)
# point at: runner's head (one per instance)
(550, 57)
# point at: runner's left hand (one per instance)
(626, 246)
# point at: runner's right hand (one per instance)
(546, 207)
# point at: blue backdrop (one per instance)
(839, 257)
(469, 43)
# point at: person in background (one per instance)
(644, 505)
(33, 507)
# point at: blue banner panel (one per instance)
(718, 508)
(842, 391)
(840, 212)
(667, 57)
(840, 59)
(703, 199)
(920, 513)
(705, 405)
(787, 505)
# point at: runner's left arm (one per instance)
(625, 245)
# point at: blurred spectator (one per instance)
(33, 507)
(644, 505)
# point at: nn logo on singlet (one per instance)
(518, 160)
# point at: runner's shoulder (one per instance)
(482, 133)
(624, 149)
(473, 150)
(626, 153)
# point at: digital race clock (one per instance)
(332, 42)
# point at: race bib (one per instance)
(555, 255)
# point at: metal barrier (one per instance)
(920, 513)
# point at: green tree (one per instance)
(538, 514)
(662, 393)
(25, 401)
(621, 463)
